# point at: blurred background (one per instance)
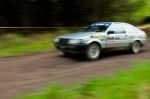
(29, 26)
(45, 13)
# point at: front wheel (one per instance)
(93, 52)
(136, 47)
(67, 54)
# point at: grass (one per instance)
(129, 84)
(12, 44)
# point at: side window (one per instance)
(118, 29)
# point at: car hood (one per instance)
(78, 35)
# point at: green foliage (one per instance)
(71, 12)
(131, 84)
(142, 13)
(12, 44)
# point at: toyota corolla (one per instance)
(102, 35)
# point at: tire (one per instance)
(67, 54)
(136, 47)
(93, 52)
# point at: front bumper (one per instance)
(71, 48)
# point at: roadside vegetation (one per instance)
(12, 44)
(45, 13)
(132, 84)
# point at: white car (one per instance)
(100, 36)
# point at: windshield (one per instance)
(96, 28)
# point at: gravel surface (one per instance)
(23, 74)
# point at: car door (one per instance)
(117, 36)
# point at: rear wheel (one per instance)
(136, 47)
(93, 52)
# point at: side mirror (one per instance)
(111, 32)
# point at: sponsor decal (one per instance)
(101, 37)
(116, 38)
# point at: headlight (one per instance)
(75, 41)
(56, 40)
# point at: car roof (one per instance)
(102, 23)
(107, 22)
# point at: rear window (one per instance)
(132, 29)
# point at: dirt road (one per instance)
(31, 72)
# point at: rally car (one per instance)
(102, 35)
